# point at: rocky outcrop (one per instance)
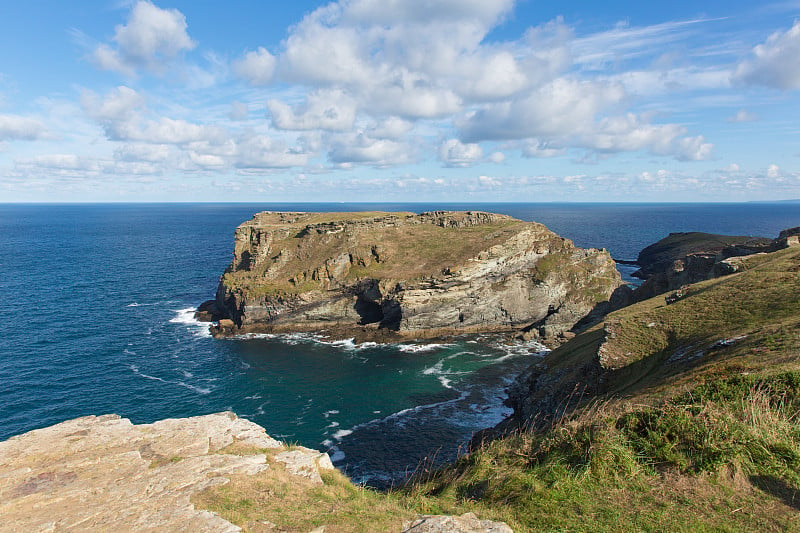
(102, 473)
(684, 258)
(414, 275)
(466, 523)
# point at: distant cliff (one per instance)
(683, 258)
(406, 274)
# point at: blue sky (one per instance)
(390, 100)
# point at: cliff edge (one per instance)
(413, 275)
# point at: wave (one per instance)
(195, 388)
(422, 348)
(186, 317)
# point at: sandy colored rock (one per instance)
(466, 523)
(425, 275)
(103, 473)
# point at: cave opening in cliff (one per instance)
(370, 311)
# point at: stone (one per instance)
(305, 462)
(103, 473)
(466, 523)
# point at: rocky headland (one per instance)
(403, 274)
(684, 258)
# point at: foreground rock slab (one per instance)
(103, 473)
(466, 523)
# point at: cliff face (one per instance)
(105, 474)
(683, 258)
(416, 275)
(743, 323)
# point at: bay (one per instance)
(97, 305)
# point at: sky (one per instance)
(399, 100)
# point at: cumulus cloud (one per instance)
(16, 127)
(256, 67)
(497, 157)
(453, 153)
(537, 148)
(259, 152)
(121, 114)
(151, 39)
(773, 171)
(361, 148)
(331, 110)
(562, 107)
(775, 63)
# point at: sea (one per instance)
(97, 304)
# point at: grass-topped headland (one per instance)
(413, 275)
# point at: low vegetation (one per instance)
(697, 428)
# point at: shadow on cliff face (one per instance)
(373, 308)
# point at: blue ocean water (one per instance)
(97, 305)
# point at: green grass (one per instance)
(704, 444)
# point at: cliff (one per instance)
(683, 258)
(215, 473)
(655, 342)
(413, 275)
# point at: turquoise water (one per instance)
(97, 305)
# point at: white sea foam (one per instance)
(421, 348)
(195, 388)
(326, 414)
(333, 425)
(187, 374)
(253, 397)
(186, 317)
(342, 433)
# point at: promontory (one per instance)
(408, 275)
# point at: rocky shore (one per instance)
(385, 275)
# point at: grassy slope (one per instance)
(433, 248)
(707, 444)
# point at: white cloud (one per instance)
(743, 115)
(773, 171)
(537, 148)
(16, 127)
(151, 38)
(121, 113)
(262, 152)
(256, 67)
(454, 153)
(775, 63)
(497, 157)
(562, 107)
(390, 128)
(152, 153)
(331, 110)
(488, 181)
(119, 104)
(360, 148)
(732, 168)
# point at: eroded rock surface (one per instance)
(421, 275)
(466, 523)
(103, 473)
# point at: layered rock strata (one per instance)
(412, 275)
(102, 473)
